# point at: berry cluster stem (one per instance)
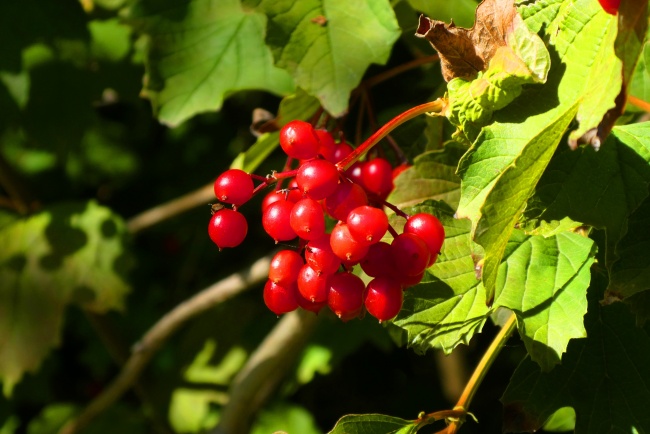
(436, 106)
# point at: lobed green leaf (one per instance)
(327, 45)
(200, 51)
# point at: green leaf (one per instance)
(630, 273)
(545, 280)
(200, 52)
(617, 176)
(373, 424)
(111, 40)
(632, 28)
(70, 253)
(604, 377)
(505, 163)
(433, 176)
(448, 307)
(499, 174)
(563, 420)
(327, 45)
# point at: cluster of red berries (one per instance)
(318, 272)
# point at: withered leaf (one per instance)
(465, 52)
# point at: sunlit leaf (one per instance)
(327, 45)
(373, 424)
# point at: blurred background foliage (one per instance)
(79, 144)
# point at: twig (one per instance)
(639, 103)
(264, 370)
(144, 350)
(169, 209)
(481, 369)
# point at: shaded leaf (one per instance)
(461, 12)
(70, 253)
(545, 280)
(632, 28)
(618, 176)
(630, 273)
(604, 377)
(373, 424)
(327, 45)
(200, 51)
(285, 417)
(639, 86)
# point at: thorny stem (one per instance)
(481, 369)
(433, 106)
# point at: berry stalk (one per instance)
(436, 106)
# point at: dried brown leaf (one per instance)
(465, 52)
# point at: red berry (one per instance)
(345, 246)
(234, 186)
(307, 219)
(320, 257)
(428, 228)
(367, 224)
(355, 173)
(227, 228)
(341, 151)
(312, 306)
(277, 195)
(377, 175)
(318, 178)
(280, 298)
(298, 140)
(384, 298)
(610, 6)
(345, 297)
(327, 145)
(276, 221)
(312, 285)
(410, 254)
(345, 198)
(379, 260)
(285, 267)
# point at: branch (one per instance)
(144, 350)
(264, 370)
(169, 209)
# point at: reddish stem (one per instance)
(433, 106)
(395, 209)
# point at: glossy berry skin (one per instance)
(345, 296)
(280, 298)
(276, 221)
(345, 198)
(276, 195)
(318, 178)
(320, 257)
(234, 186)
(410, 254)
(379, 260)
(341, 151)
(299, 140)
(313, 285)
(285, 267)
(312, 306)
(384, 297)
(428, 228)
(345, 246)
(367, 224)
(610, 6)
(377, 175)
(307, 219)
(227, 228)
